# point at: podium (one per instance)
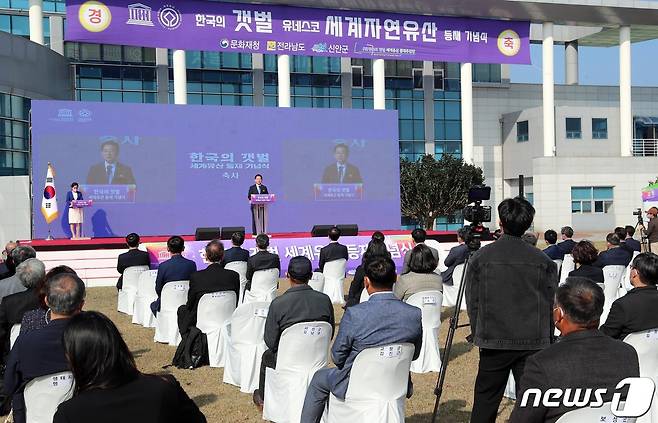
(82, 204)
(259, 203)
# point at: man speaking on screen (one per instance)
(341, 172)
(110, 171)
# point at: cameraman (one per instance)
(509, 295)
(652, 229)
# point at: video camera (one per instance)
(476, 213)
(638, 213)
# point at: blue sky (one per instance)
(598, 65)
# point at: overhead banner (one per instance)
(271, 29)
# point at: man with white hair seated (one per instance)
(31, 272)
(12, 285)
(41, 352)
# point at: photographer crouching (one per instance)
(509, 294)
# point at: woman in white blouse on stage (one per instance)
(75, 214)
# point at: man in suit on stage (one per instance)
(615, 255)
(213, 279)
(257, 188)
(341, 172)
(300, 303)
(419, 236)
(262, 260)
(457, 255)
(381, 320)
(333, 250)
(133, 257)
(110, 171)
(177, 268)
(236, 252)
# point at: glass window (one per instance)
(574, 130)
(599, 128)
(522, 131)
(111, 53)
(5, 23)
(452, 110)
(20, 25)
(591, 199)
(357, 76)
(90, 52)
(418, 79)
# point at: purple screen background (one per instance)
(157, 142)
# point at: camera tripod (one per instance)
(645, 246)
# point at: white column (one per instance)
(180, 77)
(378, 81)
(548, 89)
(571, 63)
(283, 76)
(625, 109)
(36, 21)
(466, 70)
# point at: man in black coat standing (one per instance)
(213, 279)
(257, 188)
(133, 257)
(334, 250)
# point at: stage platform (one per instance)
(95, 259)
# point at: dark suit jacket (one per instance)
(12, 309)
(298, 304)
(254, 190)
(235, 254)
(332, 251)
(456, 256)
(652, 230)
(123, 175)
(352, 174)
(381, 320)
(147, 399)
(4, 271)
(177, 268)
(566, 246)
(614, 257)
(590, 272)
(260, 261)
(36, 353)
(132, 257)
(213, 279)
(69, 198)
(634, 312)
(570, 364)
(554, 252)
(632, 245)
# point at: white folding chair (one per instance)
(126, 296)
(510, 388)
(558, 263)
(142, 314)
(429, 302)
(377, 388)
(13, 335)
(263, 286)
(244, 346)
(317, 282)
(241, 268)
(303, 349)
(601, 414)
(567, 266)
(450, 291)
(334, 275)
(213, 311)
(626, 278)
(364, 295)
(612, 279)
(646, 345)
(174, 295)
(43, 394)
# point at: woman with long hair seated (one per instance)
(108, 386)
(421, 276)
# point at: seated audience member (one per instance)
(38, 317)
(552, 251)
(584, 358)
(419, 236)
(457, 255)
(636, 311)
(12, 284)
(108, 386)
(614, 255)
(334, 250)
(497, 234)
(421, 276)
(378, 235)
(236, 252)
(529, 238)
(177, 268)
(375, 249)
(567, 243)
(631, 243)
(133, 257)
(31, 273)
(262, 260)
(7, 267)
(213, 279)
(381, 320)
(584, 255)
(300, 303)
(40, 352)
